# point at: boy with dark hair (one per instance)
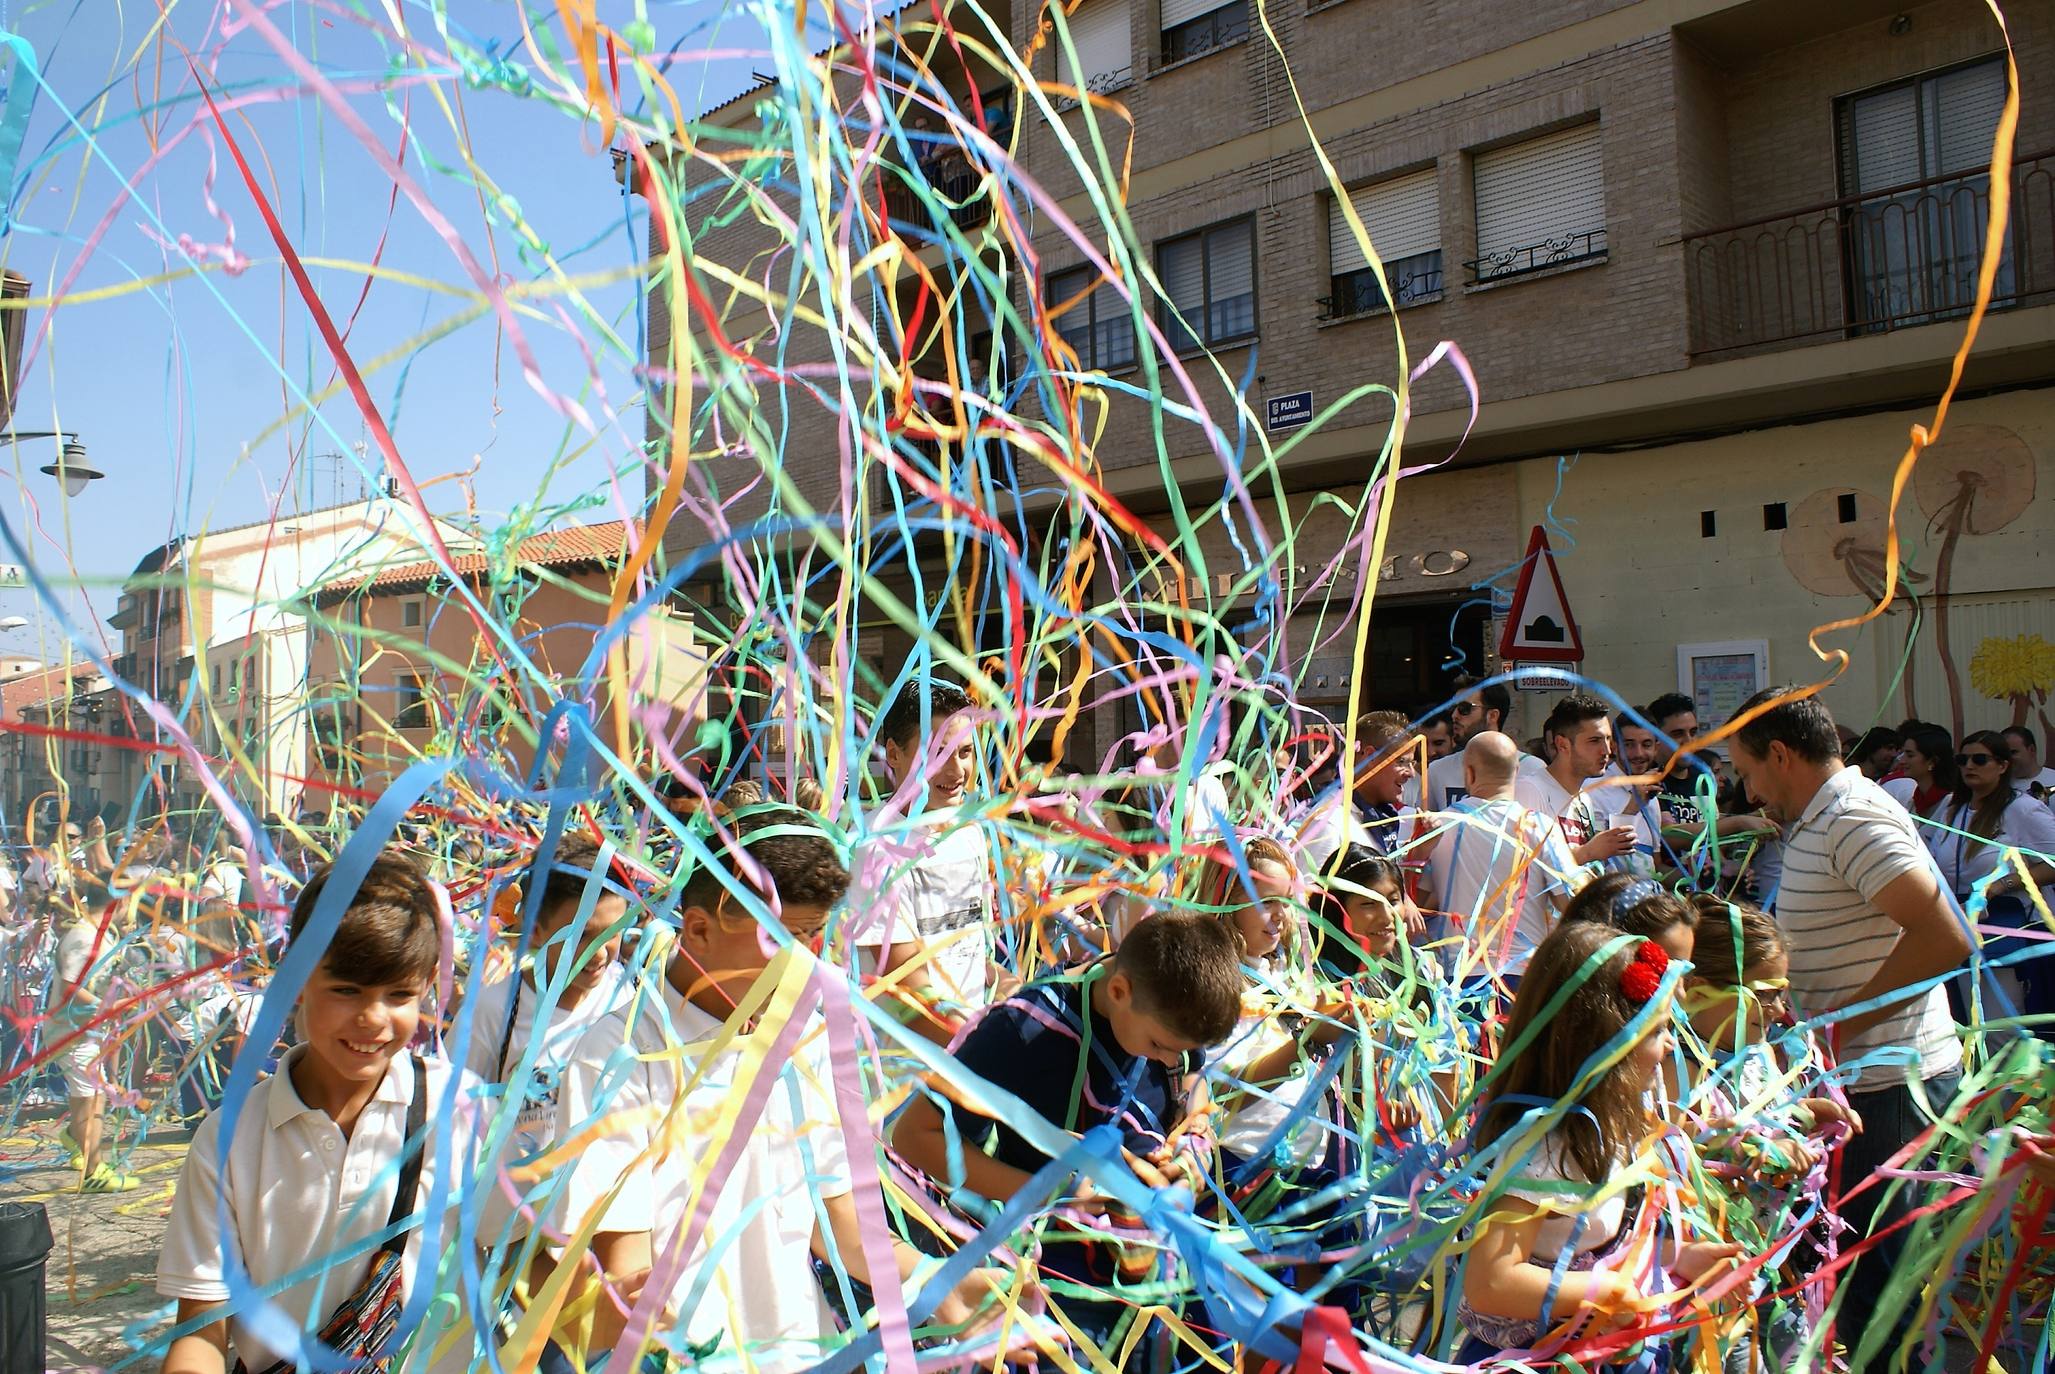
(645, 1084)
(925, 895)
(570, 980)
(327, 1152)
(1121, 1041)
(1579, 732)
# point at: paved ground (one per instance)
(102, 1301)
(101, 1295)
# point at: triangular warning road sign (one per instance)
(1540, 628)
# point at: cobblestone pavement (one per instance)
(101, 1295)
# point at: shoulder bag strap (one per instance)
(412, 1154)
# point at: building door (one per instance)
(1417, 647)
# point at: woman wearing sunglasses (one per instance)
(1972, 833)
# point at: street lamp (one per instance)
(71, 467)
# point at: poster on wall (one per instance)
(1718, 677)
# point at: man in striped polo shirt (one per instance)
(1864, 918)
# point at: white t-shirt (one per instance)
(1572, 811)
(85, 955)
(223, 883)
(1445, 785)
(933, 886)
(1593, 1228)
(534, 1128)
(1965, 860)
(1496, 865)
(1851, 843)
(1260, 1109)
(665, 1092)
(297, 1192)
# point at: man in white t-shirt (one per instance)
(1580, 734)
(1501, 868)
(923, 896)
(2026, 773)
(1479, 709)
(725, 1214)
(1864, 920)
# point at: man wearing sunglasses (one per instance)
(1478, 710)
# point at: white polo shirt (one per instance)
(297, 1192)
(930, 885)
(650, 1072)
(1851, 843)
(495, 1056)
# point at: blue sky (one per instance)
(178, 389)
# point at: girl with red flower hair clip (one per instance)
(1563, 1256)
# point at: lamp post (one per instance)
(71, 466)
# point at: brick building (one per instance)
(397, 669)
(1708, 260)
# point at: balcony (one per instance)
(958, 191)
(1560, 251)
(1892, 259)
(1414, 281)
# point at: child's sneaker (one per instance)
(71, 1147)
(106, 1179)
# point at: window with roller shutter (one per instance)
(1100, 327)
(1209, 285)
(1105, 56)
(1403, 218)
(1193, 28)
(1913, 157)
(1540, 204)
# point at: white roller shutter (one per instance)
(1099, 30)
(1177, 12)
(1541, 189)
(1883, 134)
(1403, 216)
(1965, 107)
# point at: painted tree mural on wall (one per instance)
(2019, 670)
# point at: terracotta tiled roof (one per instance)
(599, 545)
(32, 689)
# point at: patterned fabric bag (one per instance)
(363, 1323)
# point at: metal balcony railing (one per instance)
(1414, 281)
(1903, 256)
(960, 198)
(1559, 251)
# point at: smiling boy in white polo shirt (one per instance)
(322, 1155)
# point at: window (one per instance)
(1912, 254)
(1194, 27)
(330, 733)
(1403, 218)
(410, 613)
(1098, 326)
(1105, 61)
(411, 712)
(1539, 204)
(1210, 279)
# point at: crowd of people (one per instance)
(1597, 1049)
